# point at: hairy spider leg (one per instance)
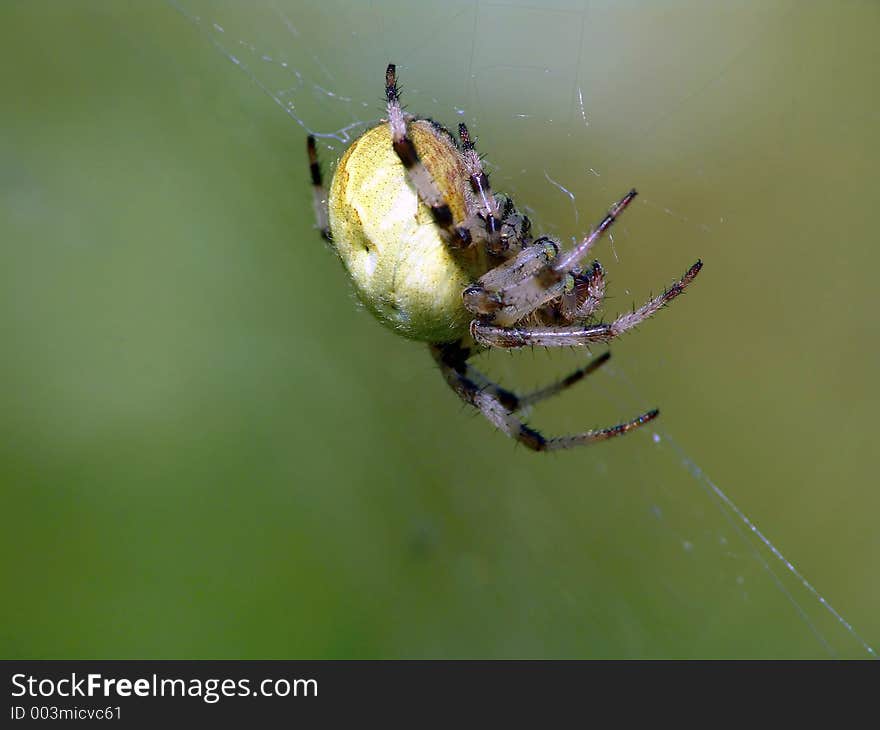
(509, 303)
(514, 270)
(319, 194)
(497, 407)
(585, 296)
(548, 391)
(490, 335)
(456, 355)
(418, 174)
(579, 252)
(593, 284)
(512, 290)
(488, 210)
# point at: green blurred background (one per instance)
(208, 451)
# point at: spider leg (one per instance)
(570, 258)
(456, 356)
(548, 391)
(583, 299)
(418, 174)
(515, 227)
(490, 401)
(482, 298)
(488, 209)
(490, 335)
(319, 195)
(506, 304)
(593, 283)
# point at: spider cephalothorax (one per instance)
(436, 256)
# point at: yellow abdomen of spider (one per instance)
(402, 269)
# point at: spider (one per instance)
(438, 257)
